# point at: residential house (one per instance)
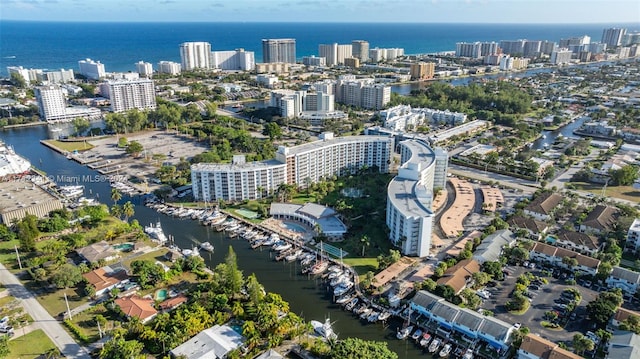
(623, 345)
(543, 206)
(621, 315)
(535, 229)
(172, 303)
(491, 247)
(138, 307)
(577, 242)
(270, 354)
(98, 251)
(633, 237)
(104, 279)
(535, 347)
(601, 219)
(625, 279)
(215, 342)
(471, 325)
(542, 252)
(459, 276)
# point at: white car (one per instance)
(483, 294)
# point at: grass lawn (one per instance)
(624, 192)
(71, 146)
(157, 255)
(32, 345)
(85, 321)
(8, 253)
(54, 302)
(362, 265)
(6, 300)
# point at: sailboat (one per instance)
(321, 265)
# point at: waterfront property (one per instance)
(410, 196)
(135, 306)
(214, 342)
(299, 165)
(97, 251)
(312, 215)
(472, 326)
(535, 347)
(104, 279)
(19, 198)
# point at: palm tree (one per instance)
(365, 243)
(116, 210)
(115, 195)
(128, 210)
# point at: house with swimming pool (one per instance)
(311, 215)
(470, 326)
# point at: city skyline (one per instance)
(403, 11)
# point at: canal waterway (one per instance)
(307, 297)
(549, 137)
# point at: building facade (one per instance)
(127, 95)
(51, 102)
(93, 70)
(195, 55)
(279, 50)
(633, 237)
(144, 68)
(169, 67)
(410, 197)
(360, 50)
(613, 36)
(422, 70)
(314, 61)
(233, 60)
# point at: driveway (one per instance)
(41, 318)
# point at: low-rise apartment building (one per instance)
(542, 252)
(543, 206)
(625, 279)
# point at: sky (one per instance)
(420, 11)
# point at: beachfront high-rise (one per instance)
(195, 55)
(360, 50)
(93, 70)
(279, 50)
(410, 196)
(613, 36)
(144, 68)
(126, 95)
(169, 67)
(299, 165)
(334, 54)
(233, 60)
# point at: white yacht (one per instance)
(324, 329)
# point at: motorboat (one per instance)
(324, 329)
(351, 304)
(156, 233)
(207, 246)
(445, 351)
(333, 275)
(293, 256)
(340, 279)
(424, 341)
(281, 246)
(435, 344)
(343, 299)
(343, 288)
(335, 269)
(384, 316)
(416, 335)
(194, 252)
(404, 332)
(359, 310)
(71, 191)
(373, 317)
(366, 313)
(468, 354)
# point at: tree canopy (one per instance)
(355, 348)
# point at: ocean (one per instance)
(55, 45)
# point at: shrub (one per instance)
(76, 331)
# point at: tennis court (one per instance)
(247, 213)
(333, 251)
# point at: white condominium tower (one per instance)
(144, 68)
(91, 69)
(299, 165)
(169, 67)
(127, 95)
(279, 50)
(613, 36)
(233, 60)
(51, 102)
(410, 196)
(195, 55)
(334, 53)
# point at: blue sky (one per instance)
(431, 11)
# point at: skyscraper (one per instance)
(279, 50)
(195, 55)
(233, 60)
(127, 95)
(613, 36)
(360, 50)
(51, 102)
(144, 68)
(91, 69)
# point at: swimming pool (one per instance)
(123, 247)
(293, 227)
(161, 294)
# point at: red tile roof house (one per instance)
(104, 279)
(135, 306)
(172, 303)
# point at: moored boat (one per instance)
(424, 341)
(468, 354)
(417, 334)
(445, 351)
(435, 344)
(404, 332)
(324, 329)
(207, 246)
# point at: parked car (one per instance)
(534, 287)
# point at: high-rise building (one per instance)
(597, 47)
(362, 93)
(169, 67)
(352, 62)
(27, 75)
(55, 77)
(360, 50)
(195, 55)
(314, 61)
(127, 95)
(279, 50)
(422, 70)
(512, 47)
(472, 50)
(410, 196)
(51, 102)
(631, 38)
(489, 48)
(561, 56)
(144, 68)
(233, 60)
(93, 70)
(613, 36)
(377, 54)
(531, 48)
(575, 41)
(335, 53)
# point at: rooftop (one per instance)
(528, 223)
(460, 274)
(602, 218)
(545, 203)
(491, 247)
(97, 251)
(580, 239)
(16, 195)
(247, 166)
(625, 274)
(330, 141)
(214, 342)
(138, 307)
(105, 277)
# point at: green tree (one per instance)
(116, 195)
(582, 344)
(27, 232)
(494, 269)
(358, 348)
(364, 241)
(148, 272)
(128, 210)
(480, 278)
(6, 234)
(232, 276)
(624, 176)
(632, 324)
(605, 305)
(118, 348)
(134, 148)
(4, 346)
(122, 142)
(66, 276)
(272, 130)
(18, 80)
(80, 125)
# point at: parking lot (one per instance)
(542, 300)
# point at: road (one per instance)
(41, 318)
(507, 181)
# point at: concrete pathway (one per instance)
(41, 318)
